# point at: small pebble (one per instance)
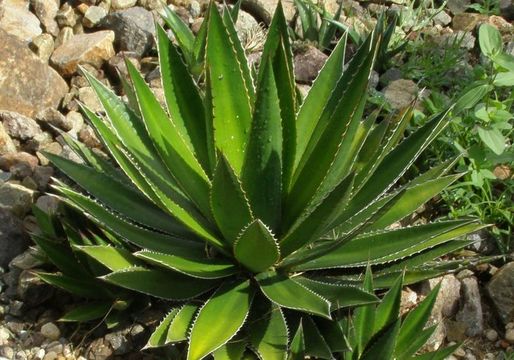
(509, 336)
(460, 352)
(51, 331)
(509, 326)
(491, 335)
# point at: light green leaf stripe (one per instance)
(179, 327)
(202, 268)
(113, 258)
(158, 337)
(221, 317)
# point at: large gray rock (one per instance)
(18, 126)
(400, 93)
(501, 291)
(93, 49)
(470, 314)
(16, 198)
(13, 241)
(46, 10)
(134, 29)
(26, 84)
(17, 20)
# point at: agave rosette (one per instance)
(248, 207)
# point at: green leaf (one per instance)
(262, 169)
(471, 97)
(181, 323)
(440, 354)
(340, 296)
(287, 293)
(202, 268)
(315, 344)
(389, 308)
(184, 101)
(86, 287)
(159, 336)
(228, 201)
(230, 302)
(333, 334)
(232, 114)
(233, 350)
(268, 333)
(319, 94)
(162, 284)
(297, 347)
(390, 245)
(414, 324)
(182, 33)
(175, 153)
(493, 138)
(504, 79)
(383, 347)
(256, 248)
(87, 312)
(111, 257)
(490, 40)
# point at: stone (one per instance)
(119, 342)
(88, 137)
(16, 198)
(42, 175)
(246, 27)
(122, 4)
(32, 290)
(507, 9)
(46, 10)
(509, 336)
(66, 15)
(50, 331)
(308, 63)
(458, 6)
(503, 26)
(88, 96)
(64, 36)
(134, 29)
(25, 80)
(501, 292)
(93, 16)
(26, 260)
(43, 46)
(491, 335)
(400, 93)
(442, 18)
(263, 10)
(49, 204)
(19, 126)
(390, 75)
(99, 349)
(195, 9)
(151, 4)
(9, 160)
(93, 49)
(13, 240)
(6, 143)
(467, 21)
(77, 121)
(17, 20)
(470, 313)
(53, 117)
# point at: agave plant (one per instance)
(249, 207)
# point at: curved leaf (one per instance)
(158, 337)
(268, 331)
(181, 323)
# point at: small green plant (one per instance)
(247, 209)
(486, 7)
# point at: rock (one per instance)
(16, 198)
(25, 80)
(467, 21)
(46, 10)
(88, 96)
(50, 331)
(263, 10)
(308, 63)
(17, 20)
(43, 46)
(119, 342)
(32, 290)
(13, 241)
(26, 260)
(507, 9)
(93, 16)
(88, 137)
(99, 349)
(509, 336)
(93, 49)
(77, 121)
(6, 143)
(151, 4)
(122, 4)
(19, 126)
(134, 29)
(470, 313)
(501, 291)
(195, 9)
(442, 18)
(9, 160)
(491, 335)
(390, 75)
(458, 6)
(65, 35)
(53, 117)
(246, 25)
(66, 15)
(42, 175)
(49, 204)
(401, 93)
(503, 26)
